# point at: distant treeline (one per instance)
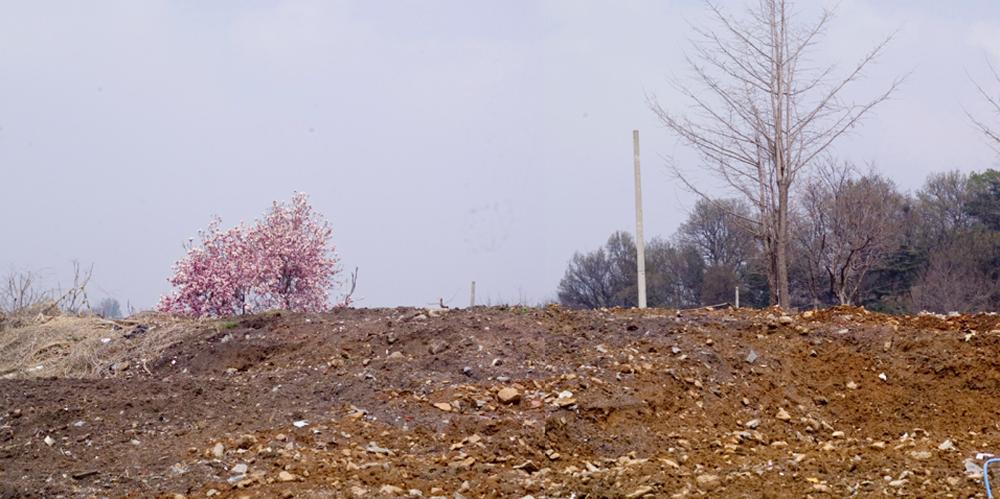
(856, 239)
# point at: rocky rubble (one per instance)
(524, 402)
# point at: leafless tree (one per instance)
(21, 290)
(993, 105)
(602, 278)
(957, 277)
(74, 298)
(714, 229)
(763, 111)
(851, 225)
(942, 204)
(348, 298)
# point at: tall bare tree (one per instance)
(851, 225)
(763, 111)
(993, 104)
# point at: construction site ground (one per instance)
(502, 402)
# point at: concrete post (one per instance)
(640, 242)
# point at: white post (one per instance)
(472, 295)
(737, 297)
(640, 242)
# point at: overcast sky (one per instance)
(446, 141)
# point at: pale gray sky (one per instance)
(445, 140)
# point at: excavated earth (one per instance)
(512, 402)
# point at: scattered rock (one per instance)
(375, 449)
(641, 491)
(390, 490)
(437, 347)
(84, 474)
(218, 451)
(708, 481)
(883, 377)
(972, 468)
(852, 385)
(783, 415)
(285, 476)
(397, 355)
(785, 320)
(752, 424)
(444, 406)
(565, 399)
(240, 469)
(946, 445)
(527, 466)
(921, 455)
(509, 395)
(49, 441)
(246, 441)
(463, 463)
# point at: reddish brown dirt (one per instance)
(658, 405)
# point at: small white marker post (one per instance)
(472, 295)
(640, 242)
(737, 297)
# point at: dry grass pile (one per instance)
(85, 347)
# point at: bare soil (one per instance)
(619, 403)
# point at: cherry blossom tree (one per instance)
(296, 261)
(216, 277)
(284, 260)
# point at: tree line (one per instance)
(857, 240)
(799, 228)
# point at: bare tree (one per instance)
(993, 103)
(348, 298)
(606, 277)
(21, 290)
(851, 225)
(960, 275)
(714, 229)
(943, 205)
(74, 298)
(602, 278)
(763, 112)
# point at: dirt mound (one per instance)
(41, 345)
(512, 402)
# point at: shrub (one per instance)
(284, 260)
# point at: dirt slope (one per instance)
(397, 402)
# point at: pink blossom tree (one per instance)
(296, 259)
(283, 261)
